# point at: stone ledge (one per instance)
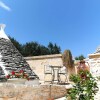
(29, 92)
(43, 57)
(96, 55)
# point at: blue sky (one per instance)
(72, 24)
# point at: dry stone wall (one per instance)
(11, 59)
(24, 92)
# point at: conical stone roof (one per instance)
(98, 49)
(10, 58)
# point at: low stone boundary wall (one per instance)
(26, 92)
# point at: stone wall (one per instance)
(37, 63)
(94, 62)
(24, 92)
(12, 60)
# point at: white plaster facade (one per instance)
(94, 62)
(2, 33)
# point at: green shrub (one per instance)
(85, 86)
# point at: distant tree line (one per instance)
(35, 49)
(81, 57)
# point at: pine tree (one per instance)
(81, 57)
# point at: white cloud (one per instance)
(4, 6)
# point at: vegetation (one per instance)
(16, 44)
(20, 74)
(53, 49)
(84, 87)
(35, 49)
(81, 57)
(67, 59)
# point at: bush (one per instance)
(67, 59)
(85, 86)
